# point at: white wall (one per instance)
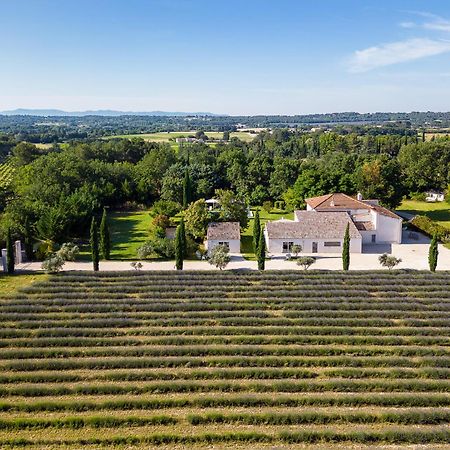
(389, 230)
(275, 246)
(235, 245)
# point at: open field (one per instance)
(11, 284)
(237, 360)
(437, 211)
(167, 136)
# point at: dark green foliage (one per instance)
(256, 231)
(261, 251)
(346, 249)
(10, 252)
(28, 239)
(431, 228)
(180, 246)
(187, 189)
(433, 253)
(94, 242)
(105, 238)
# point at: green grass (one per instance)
(437, 211)
(247, 235)
(10, 284)
(129, 230)
(167, 136)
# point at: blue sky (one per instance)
(233, 56)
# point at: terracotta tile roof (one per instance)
(218, 231)
(313, 225)
(343, 201)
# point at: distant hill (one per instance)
(99, 112)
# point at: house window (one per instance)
(287, 247)
(332, 244)
(225, 244)
(374, 238)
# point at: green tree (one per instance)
(219, 256)
(346, 249)
(179, 247)
(256, 231)
(105, 238)
(261, 251)
(196, 218)
(184, 239)
(306, 261)
(95, 245)
(28, 238)
(433, 253)
(9, 252)
(389, 261)
(187, 189)
(232, 208)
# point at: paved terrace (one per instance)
(413, 252)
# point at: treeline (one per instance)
(53, 129)
(56, 192)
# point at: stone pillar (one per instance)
(4, 263)
(18, 252)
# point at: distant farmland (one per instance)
(235, 360)
(171, 135)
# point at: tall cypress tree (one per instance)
(346, 249)
(183, 237)
(9, 252)
(28, 239)
(256, 231)
(179, 250)
(94, 244)
(187, 189)
(105, 238)
(261, 253)
(433, 253)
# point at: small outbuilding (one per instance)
(434, 196)
(224, 233)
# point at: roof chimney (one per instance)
(359, 196)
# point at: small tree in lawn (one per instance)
(105, 238)
(9, 252)
(389, 261)
(433, 253)
(256, 231)
(296, 249)
(261, 253)
(346, 249)
(219, 256)
(306, 261)
(95, 245)
(179, 247)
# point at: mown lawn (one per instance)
(10, 284)
(247, 235)
(129, 230)
(438, 211)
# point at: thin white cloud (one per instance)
(438, 25)
(396, 52)
(407, 24)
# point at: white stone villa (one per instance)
(321, 228)
(224, 233)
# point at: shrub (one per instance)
(306, 261)
(267, 206)
(166, 208)
(161, 221)
(389, 261)
(219, 256)
(431, 228)
(53, 263)
(68, 251)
